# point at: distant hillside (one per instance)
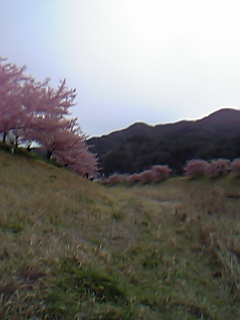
(140, 146)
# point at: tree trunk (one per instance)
(49, 154)
(4, 137)
(16, 142)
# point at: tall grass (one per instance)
(74, 249)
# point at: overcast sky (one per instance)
(154, 61)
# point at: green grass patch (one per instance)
(78, 289)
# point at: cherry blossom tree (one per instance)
(196, 168)
(160, 172)
(218, 168)
(12, 79)
(33, 112)
(235, 167)
(146, 176)
(133, 178)
(47, 111)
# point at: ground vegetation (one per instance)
(75, 249)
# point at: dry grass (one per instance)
(73, 249)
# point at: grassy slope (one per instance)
(73, 249)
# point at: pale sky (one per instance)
(155, 61)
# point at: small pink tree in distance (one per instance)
(133, 178)
(160, 172)
(146, 176)
(218, 168)
(195, 168)
(115, 179)
(235, 167)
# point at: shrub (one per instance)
(217, 168)
(146, 176)
(133, 178)
(114, 179)
(160, 172)
(196, 168)
(235, 167)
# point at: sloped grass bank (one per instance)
(73, 249)
(80, 292)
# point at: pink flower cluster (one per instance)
(133, 178)
(195, 168)
(33, 113)
(115, 179)
(235, 167)
(156, 174)
(217, 168)
(212, 169)
(160, 172)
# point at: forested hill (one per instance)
(140, 146)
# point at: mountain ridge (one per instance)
(140, 145)
(219, 115)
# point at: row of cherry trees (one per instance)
(156, 173)
(212, 169)
(194, 168)
(34, 113)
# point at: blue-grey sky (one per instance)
(154, 61)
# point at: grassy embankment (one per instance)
(73, 249)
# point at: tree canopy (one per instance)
(34, 113)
